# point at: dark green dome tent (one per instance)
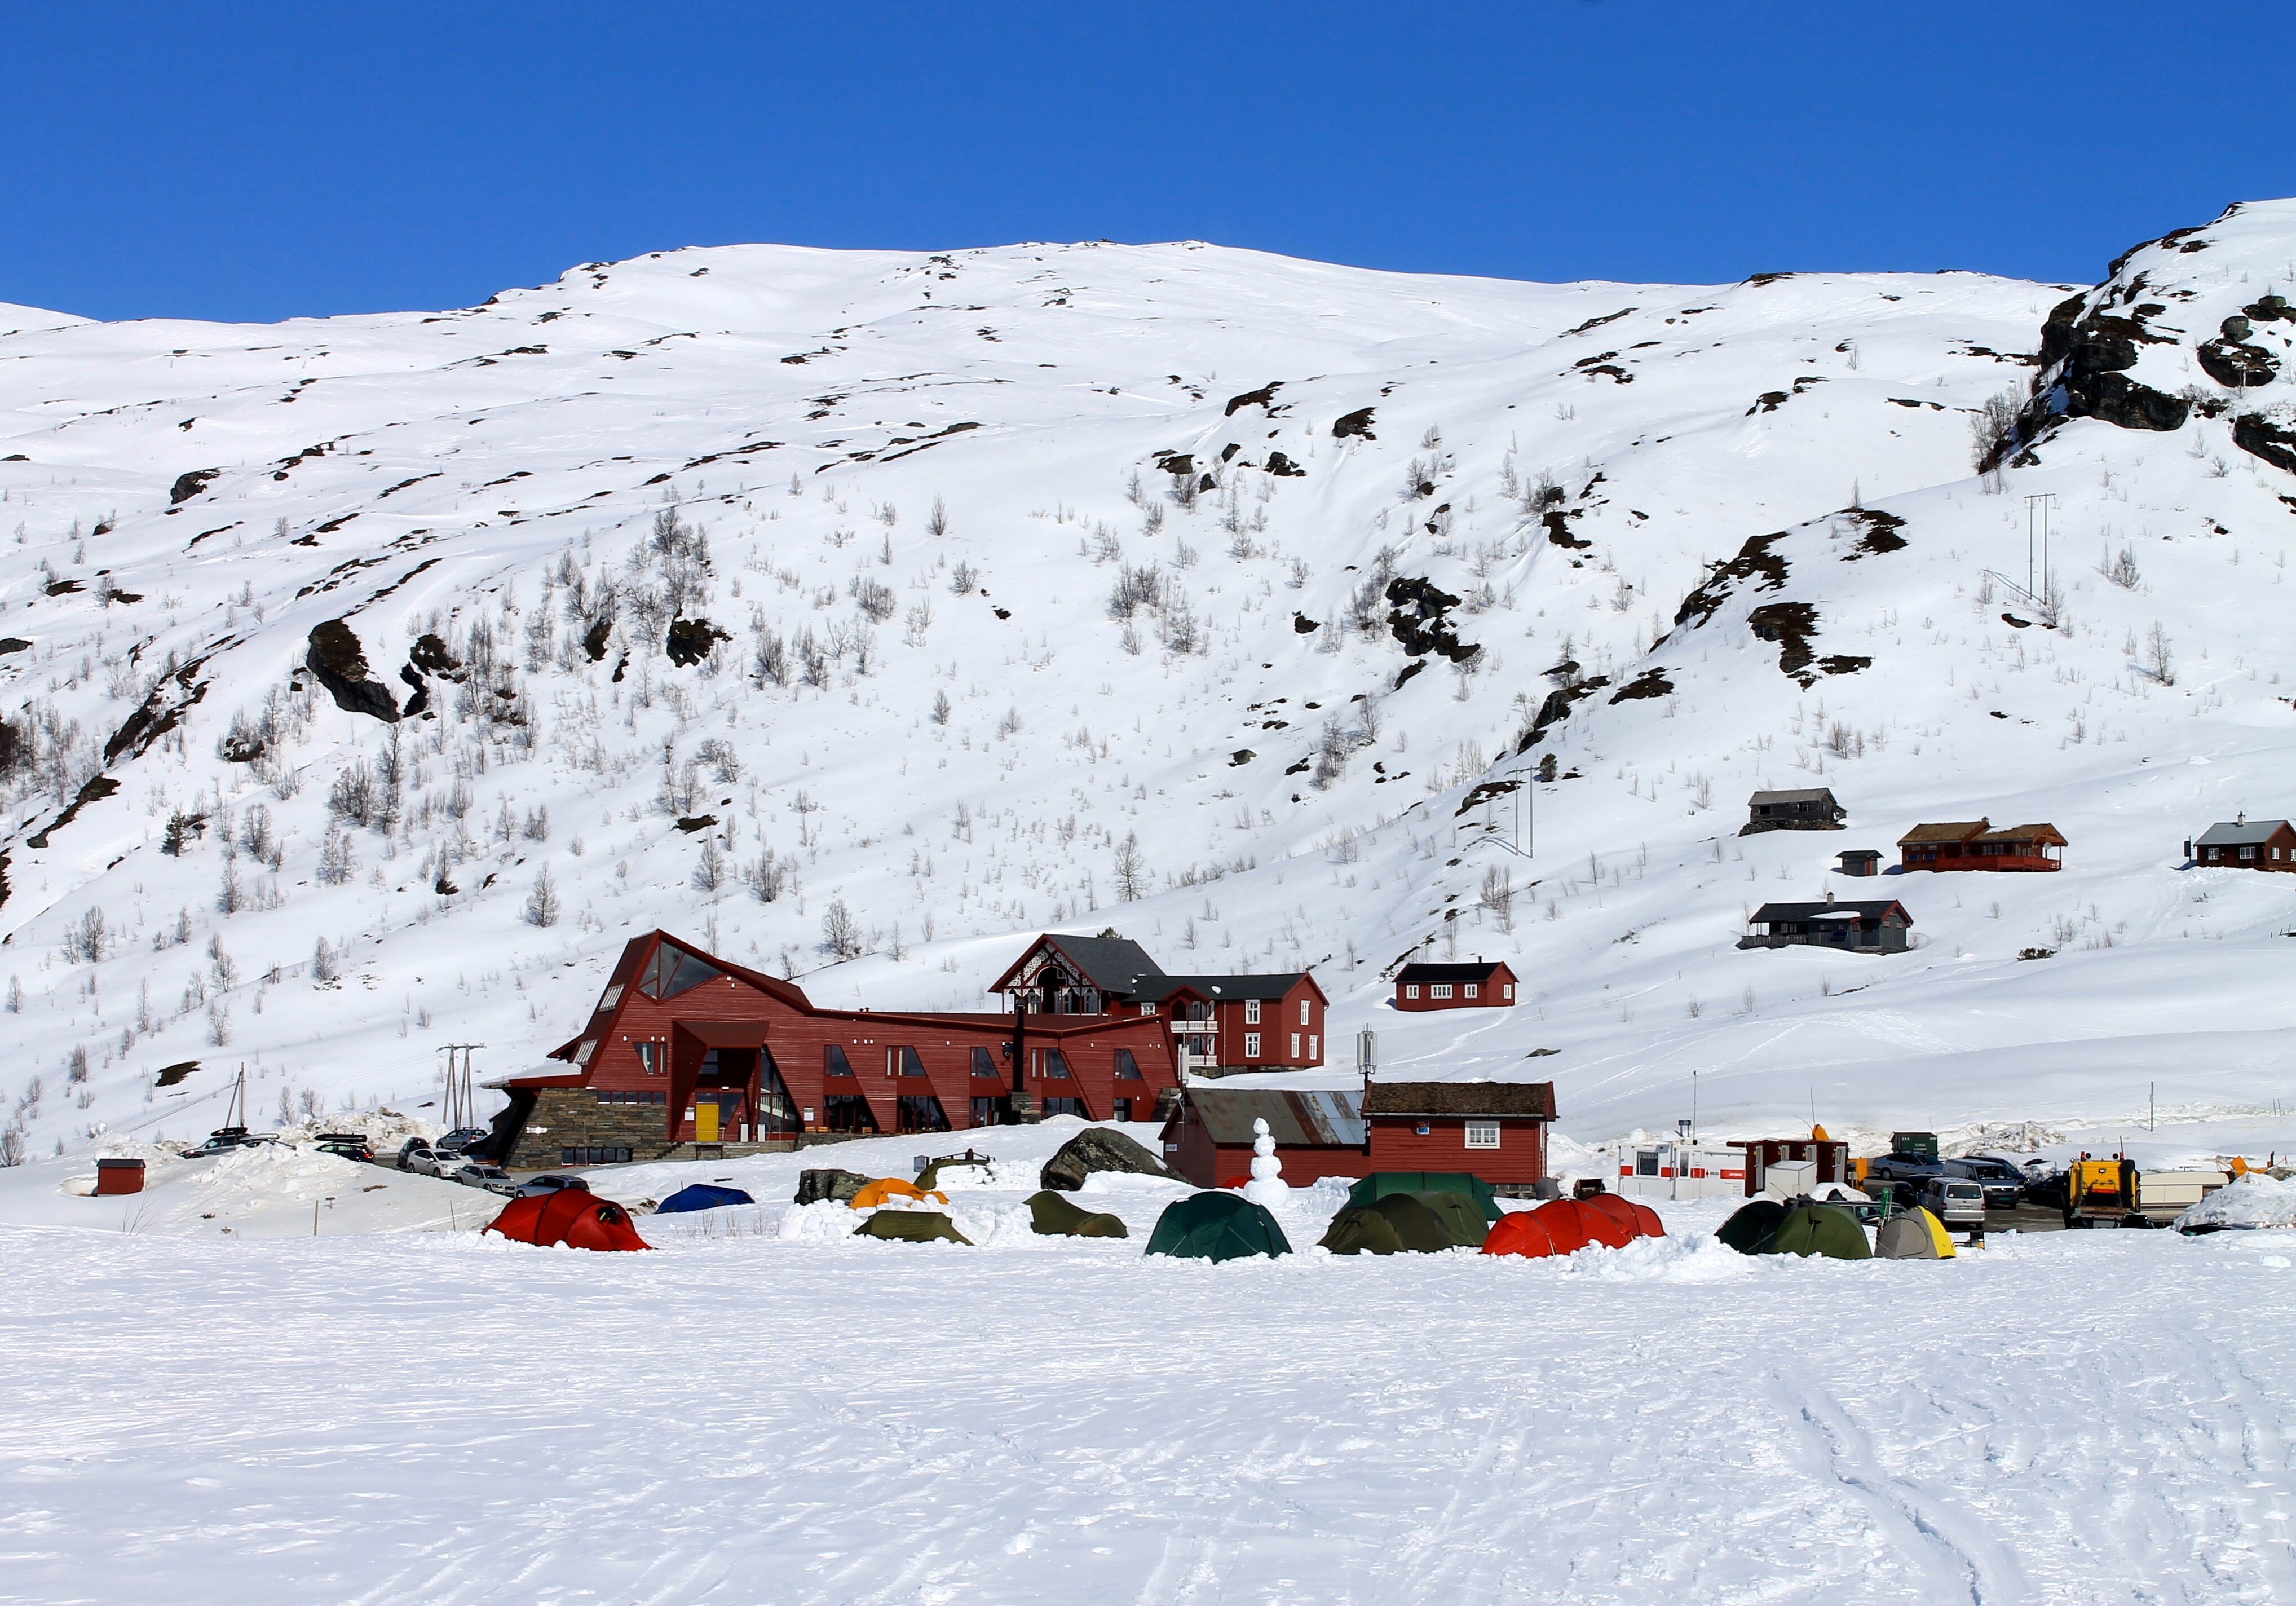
(1750, 1226)
(910, 1226)
(1816, 1229)
(1379, 1185)
(1360, 1230)
(1215, 1227)
(1457, 1213)
(1053, 1216)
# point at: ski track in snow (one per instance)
(2069, 1418)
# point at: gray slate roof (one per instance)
(1874, 909)
(1478, 971)
(1274, 985)
(1315, 1118)
(1113, 964)
(1807, 794)
(2235, 833)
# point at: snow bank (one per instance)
(2253, 1200)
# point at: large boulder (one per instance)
(1097, 1149)
(339, 663)
(829, 1183)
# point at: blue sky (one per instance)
(264, 161)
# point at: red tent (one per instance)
(569, 1217)
(1653, 1227)
(1518, 1232)
(1618, 1215)
(1565, 1225)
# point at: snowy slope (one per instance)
(494, 478)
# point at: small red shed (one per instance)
(1320, 1133)
(119, 1176)
(1455, 986)
(1831, 1155)
(1494, 1130)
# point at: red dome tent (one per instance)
(1565, 1225)
(1621, 1214)
(569, 1217)
(1519, 1233)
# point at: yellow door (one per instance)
(705, 1121)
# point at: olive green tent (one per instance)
(1051, 1215)
(929, 1177)
(1360, 1230)
(910, 1226)
(1817, 1229)
(1749, 1228)
(1456, 1212)
(1215, 1227)
(1418, 1228)
(1379, 1185)
(1914, 1235)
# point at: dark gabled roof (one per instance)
(1534, 1099)
(1219, 989)
(1113, 964)
(1321, 1119)
(1805, 794)
(1480, 970)
(2235, 833)
(1945, 830)
(1845, 909)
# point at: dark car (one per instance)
(348, 1149)
(1915, 1168)
(2005, 1184)
(460, 1139)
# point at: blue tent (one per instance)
(702, 1196)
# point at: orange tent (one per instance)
(569, 1217)
(1518, 1232)
(892, 1187)
(1619, 1213)
(1565, 1225)
(1653, 1227)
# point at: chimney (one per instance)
(2243, 816)
(1829, 894)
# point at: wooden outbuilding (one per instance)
(1494, 1130)
(1879, 925)
(1975, 845)
(1481, 985)
(1861, 861)
(1220, 1024)
(1802, 808)
(1831, 1154)
(1209, 1136)
(2245, 844)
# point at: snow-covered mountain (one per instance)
(902, 604)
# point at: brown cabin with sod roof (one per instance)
(1975, 845)
(1495, 1130)
(684, 1047)
(1455, 986)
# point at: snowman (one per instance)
(1266, 1187)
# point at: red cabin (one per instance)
(686, 1047)
(1975, 845)
(1220, 1024)
(1455, 986)
(1494, 1130)
(1209, 1137)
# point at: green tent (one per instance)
(1817, 1229)
(1215, 1227)
(1053, 1216)
(1360, 1230)
(1379, 1185)
(1456, 1212)
(929, 1177)
(1750, 1226)
(910, 1226)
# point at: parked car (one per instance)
(423, 1159)
(348, 1149)
(494, 1179)
(225, 1141)
(1957, 1202)
(551, 1181)
(1903, 1167)
(461, 1138)
(2004, 1183)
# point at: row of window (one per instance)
(594, 1154)
(1442, 989)
(2216, 856)
(607, 1095)
(653, 1060)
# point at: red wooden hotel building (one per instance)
(684, 1047)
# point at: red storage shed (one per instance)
(1494, 1130)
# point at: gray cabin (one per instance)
(1879, 926)
(1807, 809)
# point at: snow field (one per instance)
(2076, 1417)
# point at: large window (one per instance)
(833, 1063)
(1127, 1069)
(1074, 1107)
(653, 1058)
(984, 1064)
(672, 970)
(1440, 989)
(1252, 1012)
(1482, 1134)
(922, 1113)
(904, 1062)
(848, 1112)
(1056, 1066)
(776, 1110)
(1251, 1045)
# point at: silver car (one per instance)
(1957, 1201)
(494, 1179)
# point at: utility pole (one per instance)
(461, 1099)
(2036, 529)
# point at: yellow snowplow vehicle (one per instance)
(2112, 1192)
